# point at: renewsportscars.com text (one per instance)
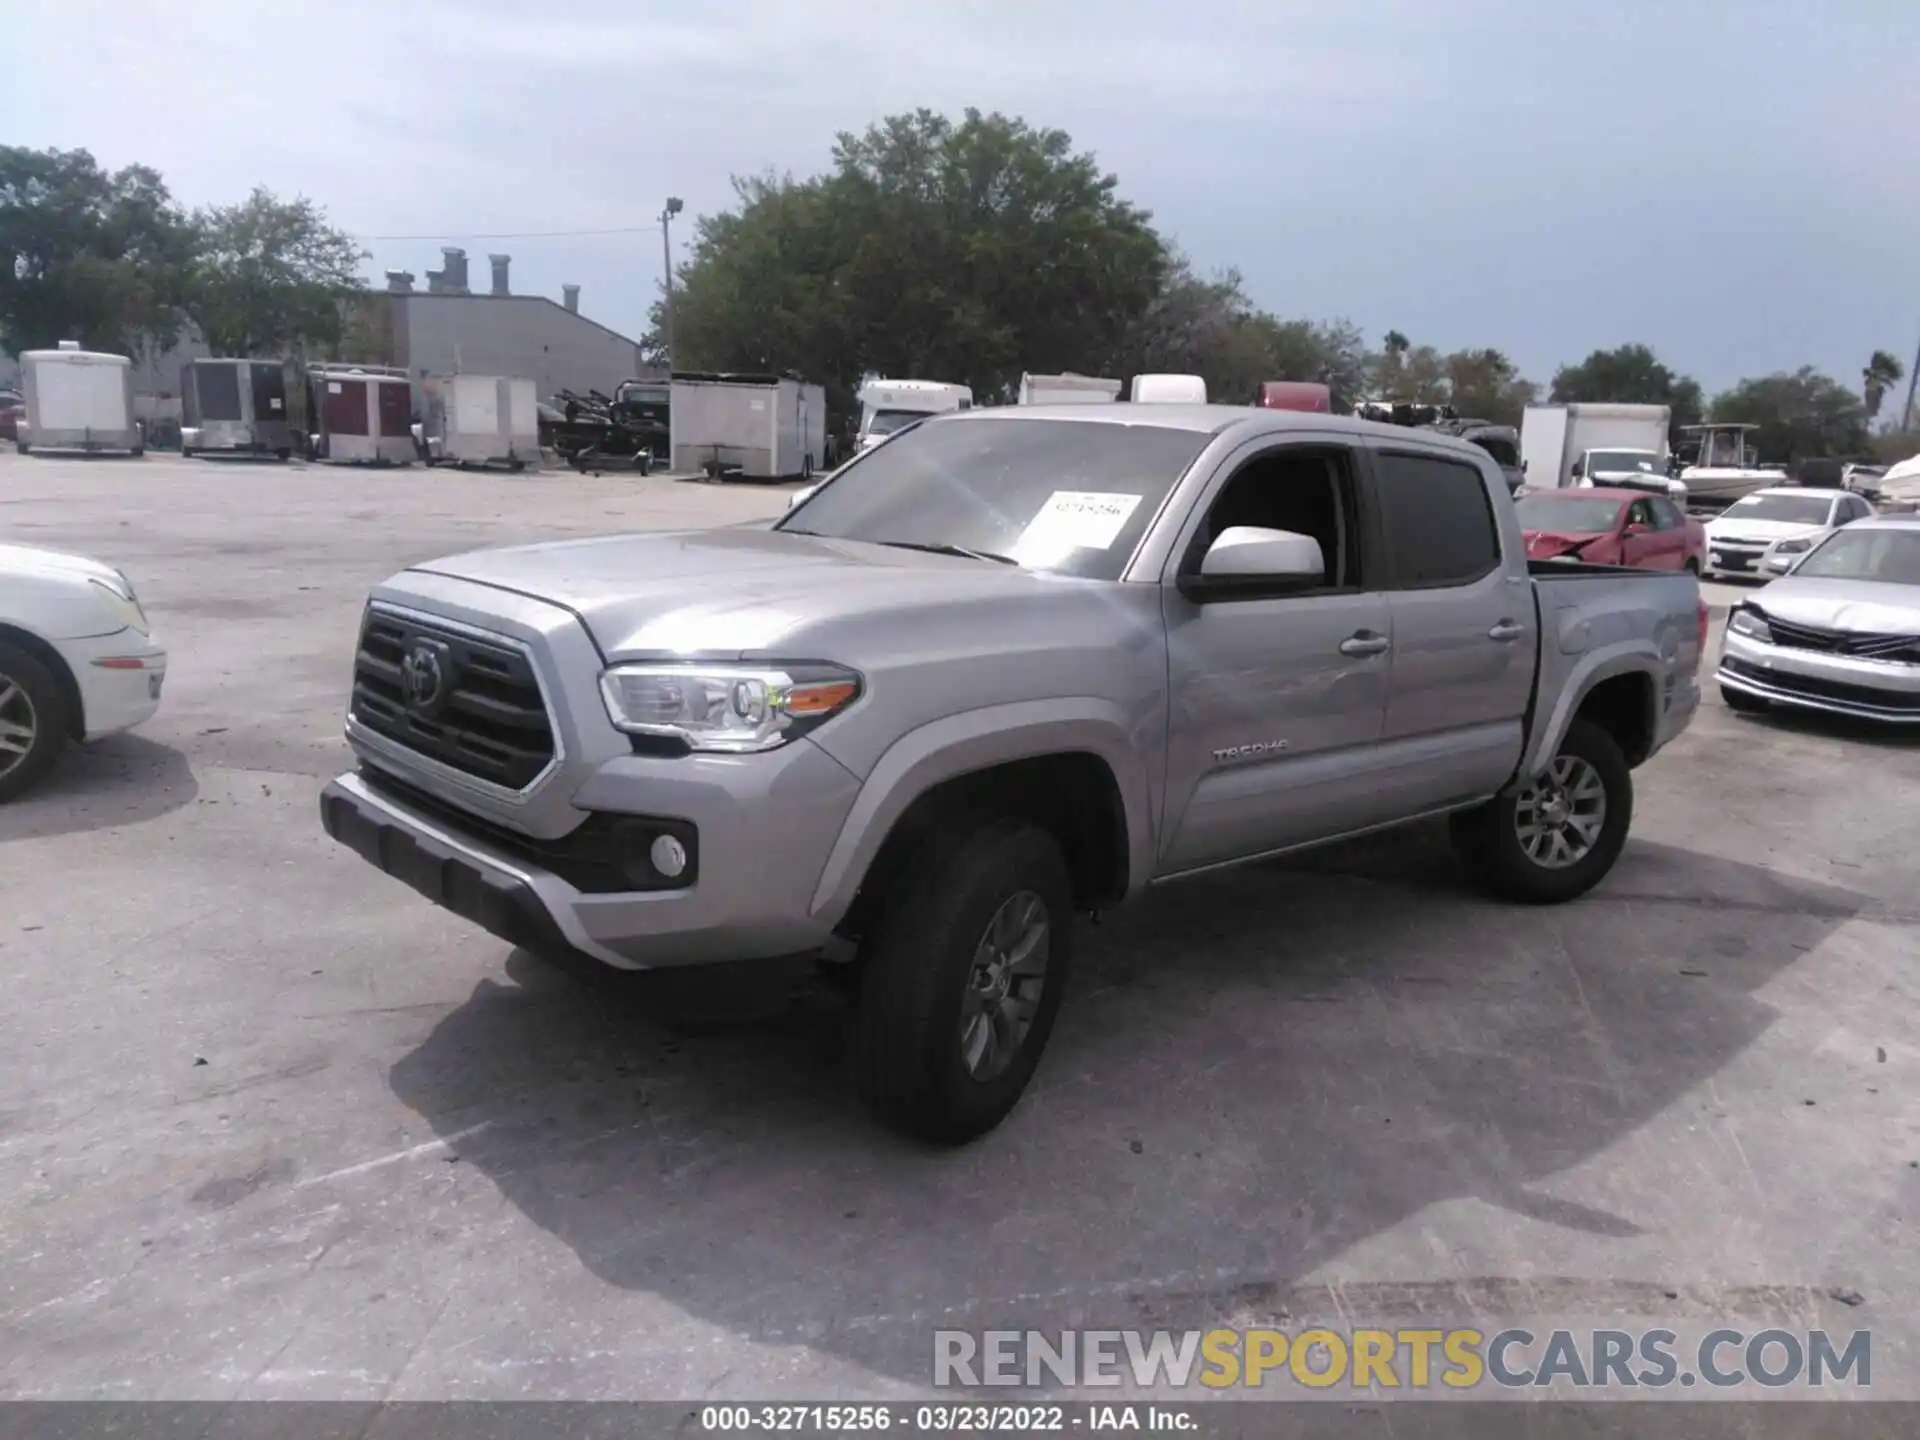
(1452, 1359)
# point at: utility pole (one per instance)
(1913, 378)
(674, 207)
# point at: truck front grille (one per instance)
(468, 703)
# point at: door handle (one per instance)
(1364, 643)
(1507, 630)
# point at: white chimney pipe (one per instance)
(570, 297)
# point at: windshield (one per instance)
(1614, 462)
(1065, 495)
(885, 422)
(1794, 509)
(1568, 514)
(1889, 556)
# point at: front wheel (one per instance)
(962, 979)
(33, 721)
(1555, 838)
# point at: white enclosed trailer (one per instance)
(1168, 390)
(77, 400)
(1068, 389)
(482, 420)
(756, 427)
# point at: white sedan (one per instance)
(77, 659)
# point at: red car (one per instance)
(1611, 527)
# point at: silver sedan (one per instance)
(1839, 633)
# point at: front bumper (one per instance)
(758, 864)
(120, 678)
(1724, 558)
(1879, 690)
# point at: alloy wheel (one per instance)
(19, 723)
(1558, 818)
(1004, 987)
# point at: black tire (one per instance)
(283, 454)
(919, 961)
(187, 452)
(21, 447)
(138, 451)
(1742, 703)
(36, 688)
(1692, 567)
(1487, 839)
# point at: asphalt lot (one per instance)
(273, 1127)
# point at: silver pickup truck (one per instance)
(1011, 667)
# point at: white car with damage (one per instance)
(77, 659)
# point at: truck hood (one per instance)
(1863, 606)
(744, 593)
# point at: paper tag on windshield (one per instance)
(1074, 519)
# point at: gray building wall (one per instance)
(526, 336)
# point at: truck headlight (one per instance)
(121, 601)
(733, 710)
(1751, 624)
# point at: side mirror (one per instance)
(800, 495)
(1579, 469)
(1249, 561)
(1523, 467)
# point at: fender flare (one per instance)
(1628, 657)
(979, 740)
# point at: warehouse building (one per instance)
(451, 328)
(445, 329)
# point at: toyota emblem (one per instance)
(423, 676)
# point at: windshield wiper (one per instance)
(959, 550)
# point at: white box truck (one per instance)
(1595, 444)
(890, 405)
(77, 400)
(754, 427)
(1068, 389)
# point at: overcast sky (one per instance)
(1734, 182)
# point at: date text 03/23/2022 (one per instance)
(946, 1419)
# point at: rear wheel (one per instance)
(33, 721)
(962, 979)
(1742, 703)
(1556, 838)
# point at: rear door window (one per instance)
(1440, 528)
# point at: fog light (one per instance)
(669, 856)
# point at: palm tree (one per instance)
(1883, 372)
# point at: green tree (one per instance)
(270, 274)
(1883, 372)
(1486, 385)
(1802, 416)
(966, 251)
(1630, 375)
(1409, 373)
(87, 254)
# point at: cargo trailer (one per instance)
(754, 427)
(77, 400)
(1599, 444)
(481, 420)
(362, 414)
(1306, 395)
(1168, 390)
(235, 407)
(1067, 389)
